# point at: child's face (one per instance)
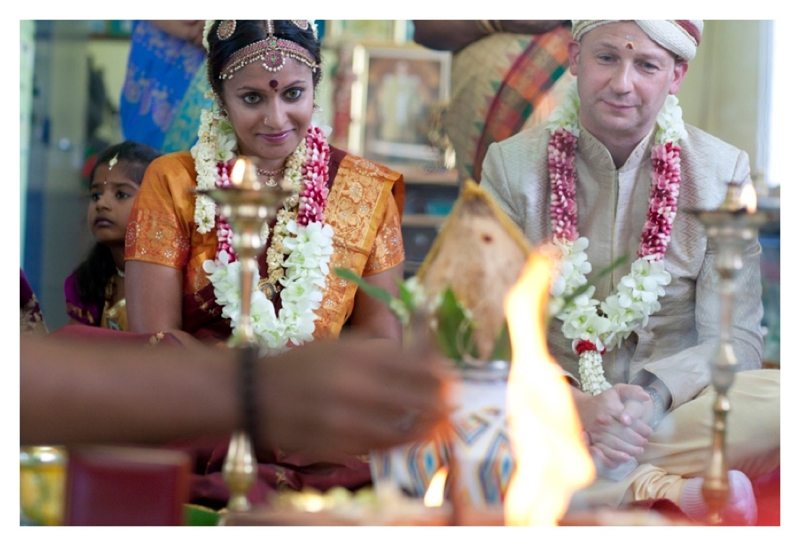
(111, 199)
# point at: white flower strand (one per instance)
(308, 251)
(216, 142)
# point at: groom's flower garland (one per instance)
(637, 293)
(301, 245)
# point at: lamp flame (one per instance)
(749, 198)
(237, 173)
(434, 496)
(551, 458)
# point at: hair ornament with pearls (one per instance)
(272, 52)
(226, 29)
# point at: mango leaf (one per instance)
(502, 347)
(455, 329)
(371, 290)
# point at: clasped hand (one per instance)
(615, 422)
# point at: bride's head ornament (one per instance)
(272, 51)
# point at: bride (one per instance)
(182, 272)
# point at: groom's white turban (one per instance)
(681, 37)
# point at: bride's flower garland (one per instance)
(637, 293)
(301, 245)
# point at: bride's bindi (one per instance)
(274, 85)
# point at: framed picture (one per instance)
(397, 97)
(387, 31)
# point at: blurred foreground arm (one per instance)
(341, 395)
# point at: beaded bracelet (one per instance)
(248, 358)
(659, 409)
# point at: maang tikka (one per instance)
(272, 52)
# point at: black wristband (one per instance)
(248, 359)
(659, 409)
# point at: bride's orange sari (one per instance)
(364, 209)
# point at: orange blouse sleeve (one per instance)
(160, 225)
(387, 251)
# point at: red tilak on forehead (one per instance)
(273, 84)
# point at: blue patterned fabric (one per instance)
(164, 90)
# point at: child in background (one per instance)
(95, 292)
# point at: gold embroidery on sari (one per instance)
(357, 207)
(115, 317)
(79, 313)
(155, 339)
(280, 477)
(388, 250)
(155, 237)
(30, 320)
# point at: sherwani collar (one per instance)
(595, 153)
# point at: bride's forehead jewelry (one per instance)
(225, 29)
(272, 52)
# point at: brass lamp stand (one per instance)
(731, 227)
(248, 205)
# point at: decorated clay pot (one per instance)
(478, 443)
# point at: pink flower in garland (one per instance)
(224, 173)
(314, 194)
(561, 164)
(224, 231)
(664, 190)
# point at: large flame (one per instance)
(551, 459)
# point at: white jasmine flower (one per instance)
(670, 122)
(566, 114)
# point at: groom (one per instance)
(589, 171)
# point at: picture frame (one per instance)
(339, 31)
(397, 95)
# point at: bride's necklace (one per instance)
(272, 176)
(590, 328)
